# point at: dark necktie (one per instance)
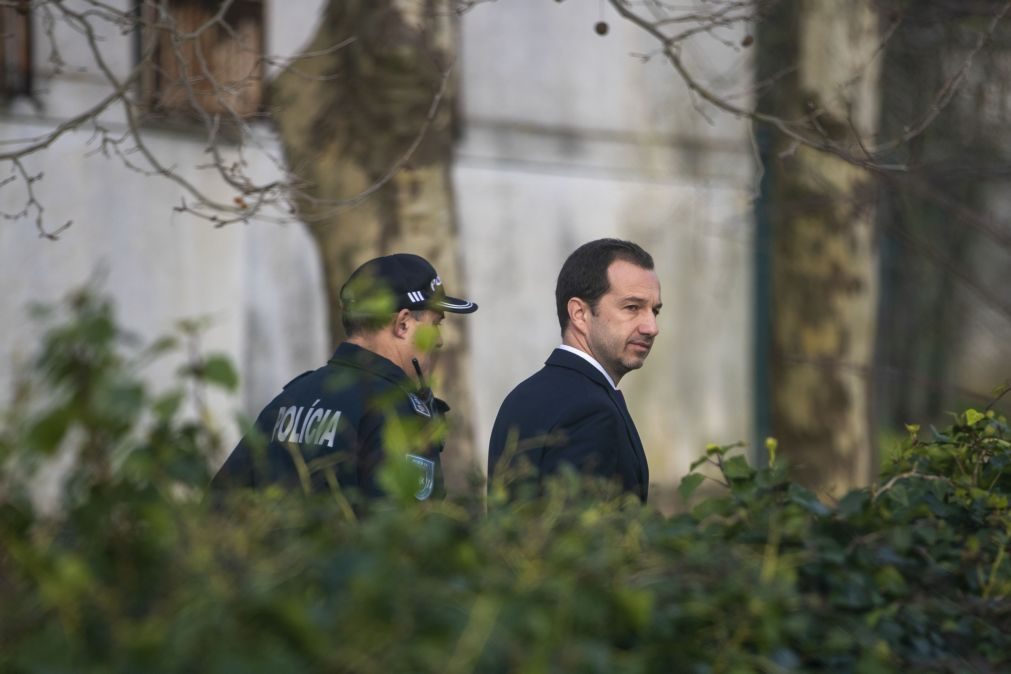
(628, 416)
(640, 453)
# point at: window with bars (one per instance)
(15, 49)
(202, 59)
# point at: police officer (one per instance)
(571, 412)
(333, 427)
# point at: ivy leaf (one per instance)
(972, 417)
(890, 581)
(47, 431)
(737, 468)
(162, 346)
(712, 506)
(807, 499)
(689, 483)
(635, 605)
(218, 370)
(166, 405)
(853, 503)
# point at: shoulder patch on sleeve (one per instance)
(298, 377)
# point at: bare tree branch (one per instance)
(251, 197)
(32, 203)
(805, 131)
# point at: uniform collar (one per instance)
(589, 359)
(355, 356)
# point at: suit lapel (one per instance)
(562, 358)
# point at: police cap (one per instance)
(401, 281)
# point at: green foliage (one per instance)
(137, 573)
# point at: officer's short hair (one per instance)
(584, 274)
(357, 324)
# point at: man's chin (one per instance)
(634, 363)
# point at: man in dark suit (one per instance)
(571, 411)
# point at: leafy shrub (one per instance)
(136, 573)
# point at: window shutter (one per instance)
(203, 65)
(16, 50)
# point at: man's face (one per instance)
(623, 326)
(425, 337)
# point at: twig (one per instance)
(33, 202)
(903, 476)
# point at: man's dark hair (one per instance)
(584, 274)
(358, 324)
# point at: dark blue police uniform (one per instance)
(569, 413)
(334, 423)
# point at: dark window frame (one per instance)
(16, 50)
(239, 70)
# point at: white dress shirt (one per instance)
(591, 360)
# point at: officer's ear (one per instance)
(401, 324)
(579, 311)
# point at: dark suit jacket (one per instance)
(569, 413)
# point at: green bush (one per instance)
(136, 573)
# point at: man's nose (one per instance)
(649, 327)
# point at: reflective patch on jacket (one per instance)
(419, 406)
(309, 426)
(426, 481)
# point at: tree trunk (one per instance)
(945, 268)
(824, 254)
(348, 116)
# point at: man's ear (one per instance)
(578, 311)
(400, 324)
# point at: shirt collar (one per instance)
(589, 359)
